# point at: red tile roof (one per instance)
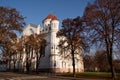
(50, 16)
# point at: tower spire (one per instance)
(50, 11)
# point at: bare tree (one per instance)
(89, 62)
(71, 37)
(34, 44)
(11, 23)
(28, 43)
(101, 61)
(39, 48)
(103, 26)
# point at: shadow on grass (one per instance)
(93, 75)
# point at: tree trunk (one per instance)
(27, 66)
(37, 69)
(14, 65)
(37, 62)
(73, 64)
(9, 64)
(112, 66)
(112, 70)
(37, 66)
(110, 59)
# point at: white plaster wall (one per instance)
(29, 30)
(55, 25)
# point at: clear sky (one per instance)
(36, 10)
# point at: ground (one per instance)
(41, 76)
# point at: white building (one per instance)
(53, 61)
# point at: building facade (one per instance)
(52, 61)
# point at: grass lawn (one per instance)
(93, 75)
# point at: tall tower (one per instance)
(51, 26)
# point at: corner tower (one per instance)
(50, 28)
(51, 23)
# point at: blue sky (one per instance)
(36, 10)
